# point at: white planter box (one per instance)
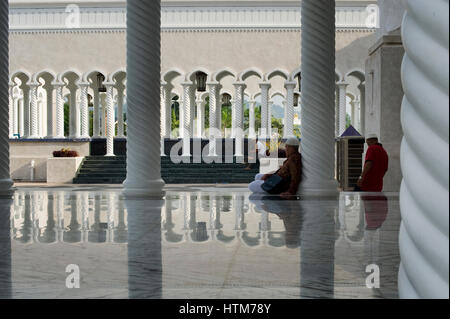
(270, 165)
(62, 170)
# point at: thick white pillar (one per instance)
(264, 108)
(318, 97)
(11, 109)
(59, 110)
(342, 87)
(143, 68)
(110, 119)
(5, 178)
(214, 88)
(239, 119)
(84, 109)
(96, 115)
(424, 199)
(357, 114)
(120, 102)
(187, 118)
(16, 114)
(251, 120)
(33, 110)
(288, 130)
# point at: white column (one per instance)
(264, 108)
(187, 118)
(357, 120)
(11, 109)
(120, 102)
(74, 124)
(362, 119)
(166, 111)
(424, 200)
(318, 97)
(26, 110)
(202, 119)
(252, 120)
(110, 119)
(84, 109)
(59, 110)
(342, 107)
(5, 178)
(269, 118)
(96, 115)
(289, 110)
(49, 105)
(21, 119)
(33, 110)
(214, 89)
(239, 119)
(16, 114)
(143, 67)
(200, 116)
(102, 114)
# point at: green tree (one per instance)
(348, 120)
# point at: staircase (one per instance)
(112, 170)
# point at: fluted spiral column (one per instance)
(239, 119)
(84, 109)
(251, 120)
(120, 120)
(96, 115)
(5, 179)
(11, 109)
(143, 94)
(269, 118)
(342, 87)
(424, 201)
(318, 97)
(59, 110)
(289, 110)
(187, 118)
(166, 114)
(214, 88)
(33, 110)
(362, 118)
(110, 119)
(200, 117)
(49, 109)
(264, 108)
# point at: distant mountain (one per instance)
(277, 111)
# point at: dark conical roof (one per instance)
(351, 131)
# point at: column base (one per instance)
(323, 189)
(6, 188)
(152, 189)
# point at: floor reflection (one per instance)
(196, 244)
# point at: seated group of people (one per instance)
(285, 182)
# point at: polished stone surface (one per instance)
(199, 242)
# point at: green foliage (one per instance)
(348, 120)
(66, 119)
(277, 124)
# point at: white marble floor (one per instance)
(199, 242)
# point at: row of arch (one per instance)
(48, 123)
